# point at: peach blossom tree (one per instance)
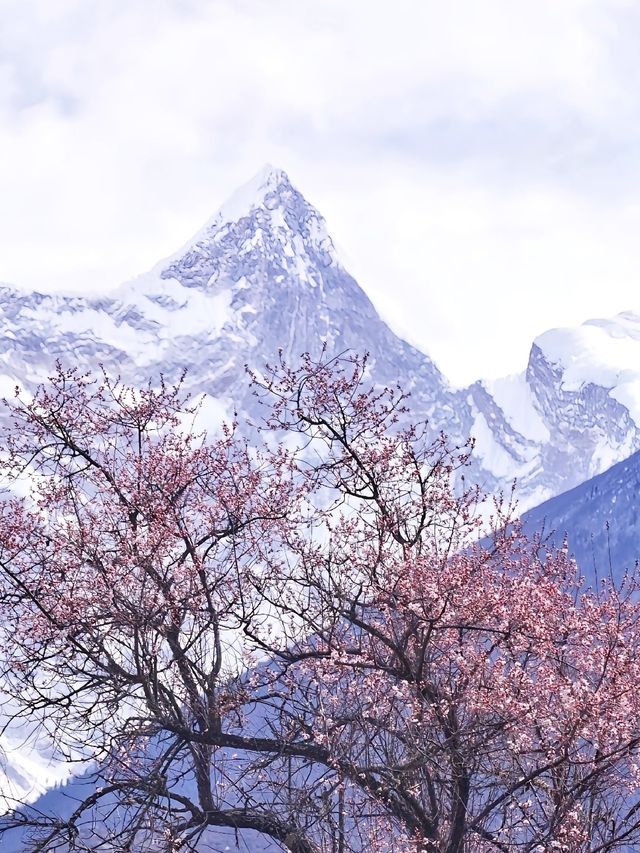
(323, 637)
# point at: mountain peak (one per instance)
(266, 229)
(251, 195)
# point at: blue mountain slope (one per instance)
(601, 518)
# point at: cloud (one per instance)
(472, 153)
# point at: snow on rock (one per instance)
(603, 352)
(493, 455)
(578, 402)
(263, 275)
(513, 395)
(27, 770)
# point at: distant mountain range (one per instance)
(262, 275)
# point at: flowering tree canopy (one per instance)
(324, 637)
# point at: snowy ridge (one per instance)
(263, 274)
(603, 352)
(578, 401)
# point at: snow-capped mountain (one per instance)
(578, 401)
(262, 275)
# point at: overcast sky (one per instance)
(477, 161)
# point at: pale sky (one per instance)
(477, 161)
